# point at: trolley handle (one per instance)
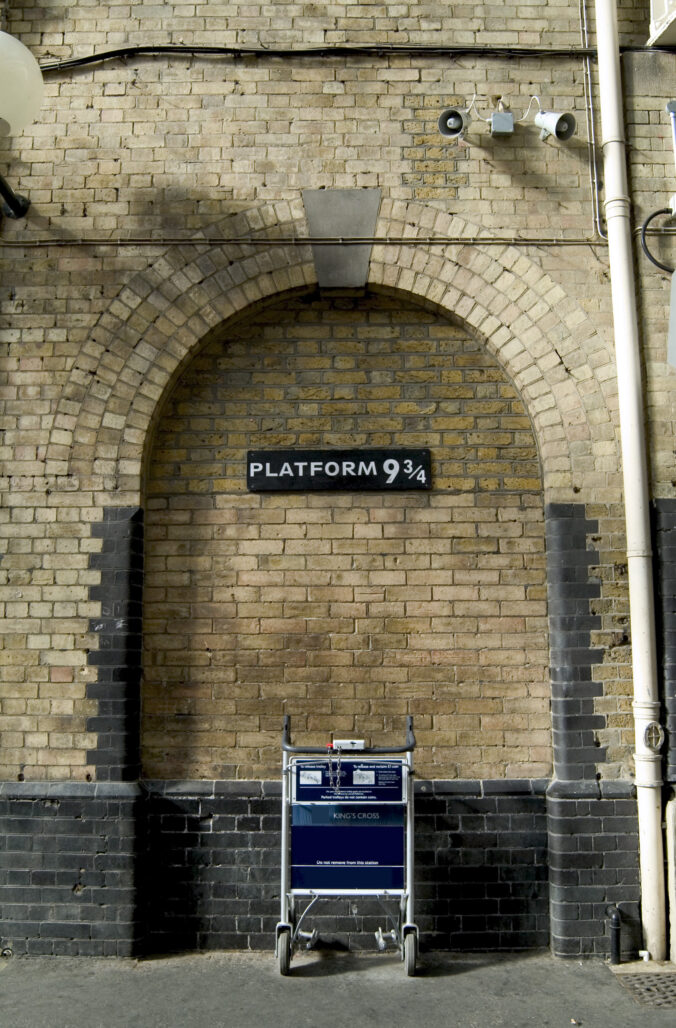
(406, 748)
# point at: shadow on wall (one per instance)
(208, 868)
(208, 871)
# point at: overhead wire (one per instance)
(333, 50)
(310, 241)
(644, 243)
(586, 52)
(329, 50)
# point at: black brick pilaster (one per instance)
(118, 657)
(571, 590)
(592, 825)
(593, 865)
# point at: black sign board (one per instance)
(349, 470)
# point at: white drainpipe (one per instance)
(636, 490)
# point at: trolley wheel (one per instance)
(284, 951)
(410, 953)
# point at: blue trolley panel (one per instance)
(352, 837)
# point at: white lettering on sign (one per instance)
(346, 468)
(357, 816)
(338, 469)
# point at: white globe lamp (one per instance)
(21, 92)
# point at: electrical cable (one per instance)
(644, 243)
(332, 50)
(208, 241)
(336, 50)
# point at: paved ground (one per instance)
(246, 990)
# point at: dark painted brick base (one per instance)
(68, 855)
(210, 874)
(122, 869)
(593, 864)
(481, 862)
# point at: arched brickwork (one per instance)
(541, 337)
(346, 610)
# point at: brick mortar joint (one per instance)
(210, 788)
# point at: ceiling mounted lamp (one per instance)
(21, 92)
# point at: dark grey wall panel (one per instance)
(67, 868)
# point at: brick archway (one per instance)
(541, 337)
(350, 608)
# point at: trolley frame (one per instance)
(290, 933)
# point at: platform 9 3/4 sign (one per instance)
(346, 470)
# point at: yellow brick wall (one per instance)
(134, 155)
(345, 610)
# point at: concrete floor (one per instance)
(360, 990)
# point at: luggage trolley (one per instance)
(347, 830)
